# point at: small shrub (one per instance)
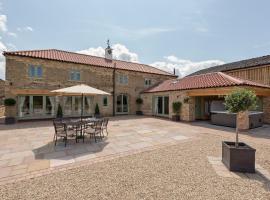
(176, 107)
(9, 102)
(139, 101)
(97, 110)
(59, 113)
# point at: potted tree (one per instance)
(10, 110)
(139, 102)
(238, 156)
(176, 106)
(97, 113)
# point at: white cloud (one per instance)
(3, 29)
(2, 60)
(25, 29)
(3, 46)
(3, 23)
(120, 52)
(141, 33)
(12, 34)
(184, 67)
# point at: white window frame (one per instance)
(123, 79)
(147, 82)
(33, 71)
(73, 75)
(105, 97)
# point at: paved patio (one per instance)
(27, 148)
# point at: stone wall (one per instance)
(56, 75)
(2, 91)
(266, 109)
(187, 110)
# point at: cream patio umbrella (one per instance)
(82, 90)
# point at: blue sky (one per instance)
(187, 35)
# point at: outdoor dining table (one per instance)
(78, 124)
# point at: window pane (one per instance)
(160, 105)
(71, 76)
(50, 105)
(39, 71)
(88, 105)
(24, 106)
(166, 105)
(67, 105)
(105, 101)
(77, 105)
(78, 76)
(31, 71)
(38, 105)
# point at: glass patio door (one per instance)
(36, 106)
(162, 105)
(72, 105)
(122, 104)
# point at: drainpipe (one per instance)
(114, 84)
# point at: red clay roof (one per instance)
(210, 80)
(59, 55)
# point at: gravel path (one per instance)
(176, 172)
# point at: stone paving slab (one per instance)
(261, 174)
(37, 155)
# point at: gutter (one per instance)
(114, 85)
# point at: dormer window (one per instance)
(75, 76)
(35, 71)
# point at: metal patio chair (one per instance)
(95, 131)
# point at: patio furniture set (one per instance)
(77, 128)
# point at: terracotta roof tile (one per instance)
(210, 80)
(65, 56)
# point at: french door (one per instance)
(74, 104)
(122, 104)
(36, 106)
(161, 105)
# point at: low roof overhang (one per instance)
(220, 91)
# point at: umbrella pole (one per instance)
(81, 107)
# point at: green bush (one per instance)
(176, 107)
(9, 102)
(139, 101)
(59, 113)
(97, 110)
(240, 100)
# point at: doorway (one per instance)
(122, 104)
(162, 105)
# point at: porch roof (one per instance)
(209, 80)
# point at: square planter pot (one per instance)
(176, 118)
(241, 159)
(10, 120)
(139, 113)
